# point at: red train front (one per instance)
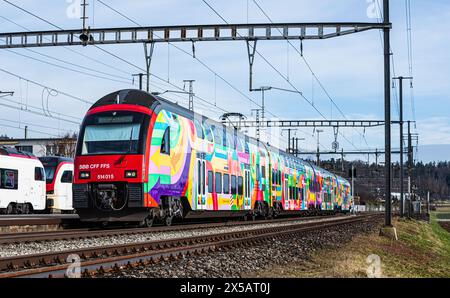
(109, 165)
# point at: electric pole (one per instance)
(191, 93)
(400, 79)
(318, 146)
(410, 166)
(387, 112)
(289, 148)
(140, 75)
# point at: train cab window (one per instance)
(210, 182)
(165, 144)
(240, 186)
(9, 179)
(226, 184)
(39, 174)
(218, 183)
(67, 177)
(233, 185)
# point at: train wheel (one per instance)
(11, 209)
(168, 220)
(148, 221)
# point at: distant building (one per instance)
(43, 147)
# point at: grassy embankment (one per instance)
(422, 250)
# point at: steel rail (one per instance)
(75, 234)
(98, 260)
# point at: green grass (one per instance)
(422, 250)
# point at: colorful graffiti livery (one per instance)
(140, 158)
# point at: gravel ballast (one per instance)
(239, 262)
(18, 249)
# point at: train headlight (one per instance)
(131, 174)
(85, 175)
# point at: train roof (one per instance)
(55, 159)
(152, 101)
(9, 151)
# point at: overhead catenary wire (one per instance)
(303, 57)
(44, 86)
(32, 130)
(279, 73)
(187, 53)
(123, 60)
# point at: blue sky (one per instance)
(350, 68)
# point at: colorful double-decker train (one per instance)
(141, 158)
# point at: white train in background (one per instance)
(22, 182)
(59, 176)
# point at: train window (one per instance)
(208, 133)
(218, 183)
(9, 179)
(39, 174)
(279, 177)
(247, 148)
(218, 135)
(165, 143)
(240, 144)
(226, 184)
(210, 182)
(240, 186)
(263, 170)
(258, 172)
(67, 177)
(199, 129)
(233, 185)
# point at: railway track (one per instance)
(74, 234)
(98, 260)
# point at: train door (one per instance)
(286, 193)
(201, 184)
(247, 191)
(65, 190)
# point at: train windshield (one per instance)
(113, 133)
(50, 167)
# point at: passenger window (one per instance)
(218, 183)
(67, 177)
(263, 170)
(165, 144)
(226, 184)
(240, 186)
(210, 182)
(233, 185)
(39, 174)
(9, 179)
(199, 129)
